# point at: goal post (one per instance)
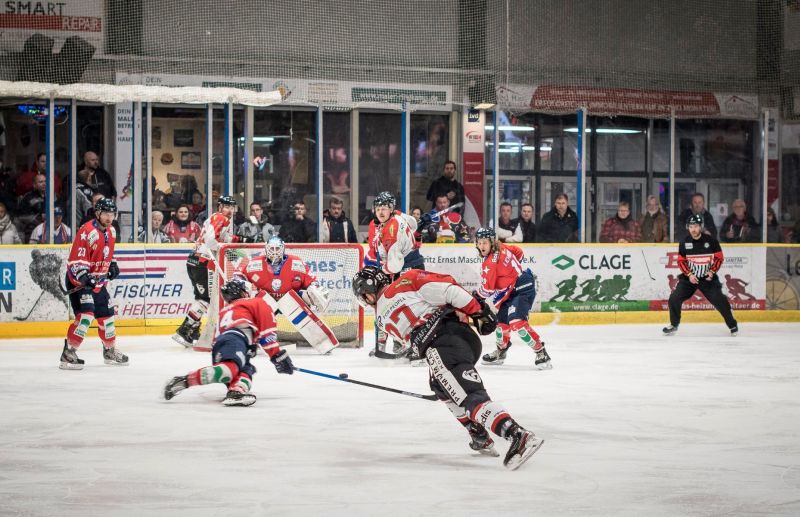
(332, 264)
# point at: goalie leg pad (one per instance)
(313, 329)
(78, 328)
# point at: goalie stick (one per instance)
(345, 378)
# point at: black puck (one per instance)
(343, 376)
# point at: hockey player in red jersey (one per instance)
(217, 229)
(510, 290)
(421, 307)
(244, 324)
(89, 268)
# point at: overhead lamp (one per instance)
(607, 130)
(511, 128)
(484, 106)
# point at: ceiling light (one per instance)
(511, 128)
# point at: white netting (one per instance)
(334, 266)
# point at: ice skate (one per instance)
(497, 357)
(735, 331)
(69, 359)
(669, 330)
(111, 356)
(237, 398)
(523, 445)
(481, 441)
(187, 333)
(175, 386)
(542, 360)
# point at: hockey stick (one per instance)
(78, 288)
(646, 265)
(345, 378)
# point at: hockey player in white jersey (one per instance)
(423, 307)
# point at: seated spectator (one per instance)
(699, 208)
(740, 226)
(8, 186)
(61, 232)
(416, 213)
(181, 228)
(101, 179)
(774, 230)
(30, 207)
(157, 236)
(337, 227)
(8, 232)
(175, 197)
(197, 205)
(25, 180)
(202, 216)
(445, 227)
(257, 227)
(622, 228)
(506, 229)
(525, 224)
(653, 223)
(448, 185)
(560, 224)
(299, 228)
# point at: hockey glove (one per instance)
(485, 321)
(282, 362)
(113, 270)
(86, 280)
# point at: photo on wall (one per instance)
(191, 160)
(156, 137)
(183, 138)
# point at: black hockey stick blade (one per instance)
(367, 384)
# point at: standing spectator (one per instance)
(774, 231)
(8, 232)
(256, 228)
(8, 184)
(560, 224)
(157, 236)
(337, 227)
(83, 195)
(525, 224)
(299, 228)
(653, 222)
(507, 230)
(61, 232)
(26, 180)
(181, 228)
(448, 185)
(698, 208)
(740, 226)
(101, 179)
(31, 206)
(622, 228)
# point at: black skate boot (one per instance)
(175, 386)
(481, 441)
(523, 445)
(497, 357)
(237, 398)
(734, 330)
(542, 360)
(69, 359)
(188, 332)
(111, 356)
(669, 330)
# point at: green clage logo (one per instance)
(563, 262)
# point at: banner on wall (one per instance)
(473, 142)
(56, 20)
(783, 278)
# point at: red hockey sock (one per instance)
(107, 331)
(78, 328)
(241, 383)
(222, 372)
(527, 334)
(502, 336)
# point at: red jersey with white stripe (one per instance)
(92, 250)
(499, 272)
(416, 295)
(253, 314)
(217, 229)
(390, 242)
(290, 275)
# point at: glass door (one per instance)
(612, 191)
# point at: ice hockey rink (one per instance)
(634, 423)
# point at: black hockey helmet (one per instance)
(384, 199)
(226, 200)
(105, 205)
(233, 290)
(486, 233)
(369, 280)
(695, 219)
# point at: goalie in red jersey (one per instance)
(89, 268)
(510, 290)
(244, 325)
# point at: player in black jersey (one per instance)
(699, 259)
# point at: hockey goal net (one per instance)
(334, 266)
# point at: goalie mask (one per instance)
(274, 249)
(369, 280)
(234, 290)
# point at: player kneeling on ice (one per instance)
(89, 267)
(510, 291)
(421, 307)
(244, 324)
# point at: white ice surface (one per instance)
(635, 424)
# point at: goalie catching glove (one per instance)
(485, 322)
(317, 296)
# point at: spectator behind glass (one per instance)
(25, 180)
(90, 215)
(61, 232)
(156, 222)
(336, 226)
(30, 208)
(202, 216)
(774, 230)
(8, 186)
(101, 179)
(445, 227)
(8, 232)
(622, 228)
(560, 224)
(740, 226)
(197, 205)
(653, 222)
(256, 228)
(299, 228)
(506, 229)
(525, 226)
(698, 207)
(181, 228)
(447, 185)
